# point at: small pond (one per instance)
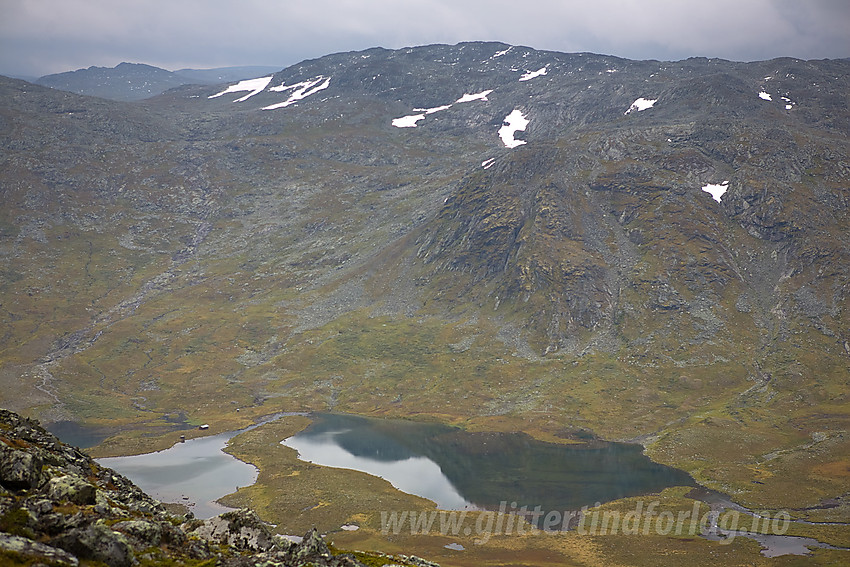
(87, 436)
(78, 435)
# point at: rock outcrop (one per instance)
(60, 507)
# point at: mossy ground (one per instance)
(757, 444)
(296, 496)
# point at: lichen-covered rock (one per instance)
(311, 548)
(282, 543)
(72, 489)
(418, 561)
(60, 507)
(148, 532)
(55, 523)
(18, 469)
(98, 543)
(29, 550)
(241, 529)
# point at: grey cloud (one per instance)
(46, 36)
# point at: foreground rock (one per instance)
(59, 507)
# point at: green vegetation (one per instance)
(15, 521)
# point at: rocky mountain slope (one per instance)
(491, 236)
(59, 507)
(136, 81)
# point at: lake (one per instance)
(195, 473)
(462, 470)
(456, 469)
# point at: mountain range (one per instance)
(137, 81)
(485, 235)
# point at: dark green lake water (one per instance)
(458, 469)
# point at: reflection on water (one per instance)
(414, 475)
(457, 469)
(78, 435)
(195, 473)
(87, 436)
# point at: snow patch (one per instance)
(716, 191)
(641, 104)
(411, 120)
(253, 85)
(515, 121)
(470, 97)
(487, 163)
(532, 74)
(764, 96)
(433, 110)
(350, 527)
(500, 53)
(299, 91)
(408, 121)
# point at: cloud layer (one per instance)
(48, 36)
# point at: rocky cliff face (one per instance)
(58, 506)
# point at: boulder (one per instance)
(311, 548)
(72, 489)
(35, 552)
(148, 533)
(98, 543)
(54, 522)
(240, 529)
(19, 470)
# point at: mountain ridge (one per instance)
(138, 81)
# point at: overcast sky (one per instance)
(39, 37)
